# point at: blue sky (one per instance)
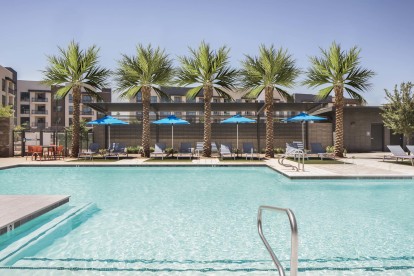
(382, 29)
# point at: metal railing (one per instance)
(294, 239)
(39, 112)
(39, 100)
(297, 155)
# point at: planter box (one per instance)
(6, 137)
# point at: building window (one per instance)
(154, 99)
(190, 100)
(86, 99)
(139, 97)
(3, 100)
(3, 84)
(177, 99)
(70, 110)
(201, 100)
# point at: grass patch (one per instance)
(94, 160)
(319, 161)
(240, 159)
(169, 159)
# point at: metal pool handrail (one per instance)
(294, 239)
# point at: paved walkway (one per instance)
(355, 165)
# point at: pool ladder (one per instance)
(293, 239)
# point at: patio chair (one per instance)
(159, 150)
(117, 150)
(185, 150)
(35, 151)
(214, 147)
(226, 150)
(93, 149)
(248, 150)
(316, 148)
(397, 152)
(60, 152)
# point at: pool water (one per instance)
(198, 220)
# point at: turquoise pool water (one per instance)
(203, 220)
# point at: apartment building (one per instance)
(38, 109)
(8, 86)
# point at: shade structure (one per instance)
(303, 118)
(107, 120)
(238, 119)
(171, 120)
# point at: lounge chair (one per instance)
(316, 148)
(199, 148)
(185, 150)
(214, 147)
(398, 153)
(299, 145)
(159, 151)
(248, 150)
(227, 150)
(117, 150)
(93, 149)
(411, 149)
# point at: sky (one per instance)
(383, 30)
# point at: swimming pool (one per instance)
(203, 220)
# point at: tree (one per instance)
(398, 113)
(6, 111)
(148, 70)
(340, 70)
(210, 71)
(272, 71)
(73, 70)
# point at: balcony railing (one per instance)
(90, 112)
(25, 111)
(39, 100)
(86, 100)
(39, 125)
(39, 112)
(24, 99)
(12, 91)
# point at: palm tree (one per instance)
(148, 70)
(210, 71)
(72, 70)
(340, 70)
(272, 71)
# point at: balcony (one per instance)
(25, 111)
(39, 100)
(39, 112)
(39, 125)
(24, 99)
(86, 112)
(12, 91)
(86, 100)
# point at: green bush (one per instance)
(278, 150)
(330, 149)
(133, 149)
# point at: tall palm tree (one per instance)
(340, 70)
(148, 70)
(272, 71)
(72, 70)
(209, 70)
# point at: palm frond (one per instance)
(193, 92)
(254, 92)
(63, 91)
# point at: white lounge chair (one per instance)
(199, 148)
(248, 150)
(117, 150)
(397, 152)
(159, 151)
(226, 150)
(185, 150)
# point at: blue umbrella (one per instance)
(238, 119)
(171, 120)
(108, 120)
(304, 117)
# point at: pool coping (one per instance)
(293, 177)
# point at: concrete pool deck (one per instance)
(357, 165)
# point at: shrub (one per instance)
(330, 149)
(278, 150)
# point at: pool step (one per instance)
(73, 264)
(45, 235)
(252, 267)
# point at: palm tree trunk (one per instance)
(146, 98)
(208, 93)
(76, 93)
(339, 121)
(269, 122)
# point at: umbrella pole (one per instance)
(237, 143)
(172, 138)
(303, 135)
(109, 137)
